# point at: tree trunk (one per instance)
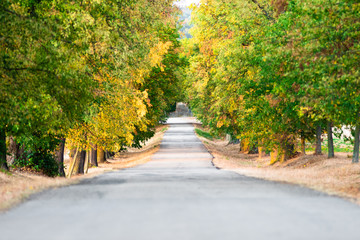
(318, 141)
(93, 159)
(244, 145)
(74, 169)
(3, 163)
(73, 161)
(254, 149)
(100, 155)
(228, 138)
(261, 150)
(60, 157)
(13, 150)
(284, 151)
(355, 158)
(330, 141)
(289, 149)
(303, 145)
(77, 163)
(87, 161)
(82, 162)
(275, 156)
(16, 151)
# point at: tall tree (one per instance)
(270, 72)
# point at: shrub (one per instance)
(39, 154)
(40, 161)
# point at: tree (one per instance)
(44, 85)
(76, 70)
(270, 73)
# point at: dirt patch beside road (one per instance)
(336, 176)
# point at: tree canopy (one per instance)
(105, 73)
(271, 72)
(89, 71)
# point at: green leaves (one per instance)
(88, 70)
(276, 75)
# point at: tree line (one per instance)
(98, 75)
(273, 73)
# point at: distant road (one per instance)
(179, 195)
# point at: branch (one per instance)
(264, 11)
(25, 69)
(14, 13)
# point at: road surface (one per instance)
(179, 195)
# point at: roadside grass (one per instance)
(6, 172)
(204, 134)
(17, 185)
(164, 129)
(335, 176)
(340, 145)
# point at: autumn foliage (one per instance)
(272, 72)
(85, 71)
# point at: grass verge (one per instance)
(203, 134)
(335, 176)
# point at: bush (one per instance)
(40, 161)
(39, 154)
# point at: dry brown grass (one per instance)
(17, 186)
(135, 156)
(336, 176)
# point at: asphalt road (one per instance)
(179, 195)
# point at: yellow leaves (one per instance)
(219, 124)
(157, 53)
(138, 74)
(251, 74)
(141, 108)
(241, 32)
(76, 136)
(192, 6)
(117, 117)
(232, 106)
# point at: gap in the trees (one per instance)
(182, 110)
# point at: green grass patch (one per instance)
(6, 172)
(203, 134)
(340, 145)
(164, 129)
